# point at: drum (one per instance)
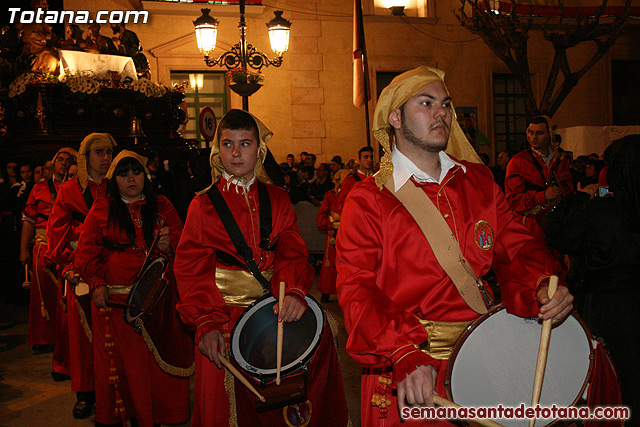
(253, 349)
(494, 362)
(146, 291)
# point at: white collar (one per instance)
(128, 202)
(237, 181)
(404, 169)
(546, 158)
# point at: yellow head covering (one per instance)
(122, 155)
(217, 168)
(393, 97)
(70, 151)
(93, 141)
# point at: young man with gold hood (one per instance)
(75, 198)
(215, 286)
(44, 306)
(393, 291)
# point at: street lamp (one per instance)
(242, 54)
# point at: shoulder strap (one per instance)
(444, 245)
(537, 165)
(265, 217)
(88, 197)
(234, 232)
(357, 176)
(52, 189)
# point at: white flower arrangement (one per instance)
(86, 83)
(19, 85)
(82, 82)
(148, 88)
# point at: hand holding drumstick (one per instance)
(543, 350)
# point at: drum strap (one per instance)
(234, 232)
(52, 189)
(444, 245)
(88, 197)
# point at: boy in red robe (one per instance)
(215, 286)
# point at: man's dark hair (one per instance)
(238, 120)
(290, 156)
(539, 119)
(313, 156)
(365, 149)
(337, 159)
(304, 153)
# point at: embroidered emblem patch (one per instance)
(483, 235)
(297, 415)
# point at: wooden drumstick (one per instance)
(441, 401)
(26, 284)
(545, 336)
(240, 377)
(280, 335)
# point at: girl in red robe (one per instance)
(117, 233)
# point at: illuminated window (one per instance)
(213, 94)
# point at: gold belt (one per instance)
(41, 236)
(238, 287)
(119, 289)
(442, 337)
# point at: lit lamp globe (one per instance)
(279, 29)
(206, 32)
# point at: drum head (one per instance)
(494, 363)
(254, 338)
(139, 291)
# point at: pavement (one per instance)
(29, 397)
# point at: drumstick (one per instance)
(545, 335)
(26, 284)
(280, 335)
(240, 377)
(441, 401)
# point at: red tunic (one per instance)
(524, 186)
(328, 273)
(345, 188)
(64, 226)
(36, 211)
(388, 276)
(149, 394)
(203, 307)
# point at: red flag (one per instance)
(359, 89)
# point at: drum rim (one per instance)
(312, 304)
(500, 307)
(160, 258)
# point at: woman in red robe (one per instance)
(117, 234)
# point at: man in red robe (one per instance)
(365, 167)
(75, 198)
(390, 285)
(215, 286)
(44, 306)
(328, 221)
(538, 177)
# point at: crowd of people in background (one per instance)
(534, 181)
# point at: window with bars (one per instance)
(509, 119)
(213, 94)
